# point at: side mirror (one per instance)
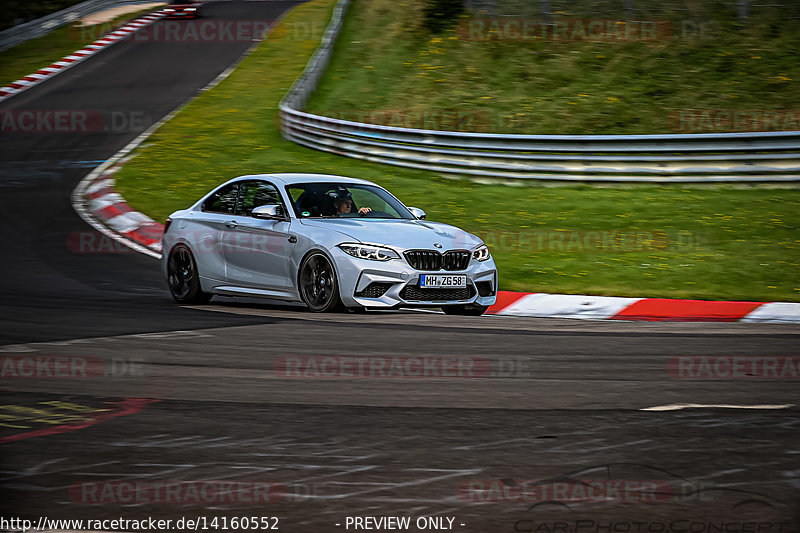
(269, 212)
(419, 213)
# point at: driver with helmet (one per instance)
(343, 203)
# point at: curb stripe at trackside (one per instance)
(100, 193)
(656, 309)
(111, 211)
(77, 56)
(781, 312)
(567, 306)
(505, 299)
(646, 309)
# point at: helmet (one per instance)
(340, 193)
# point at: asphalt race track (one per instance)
(200, 397)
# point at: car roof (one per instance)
(295, 178)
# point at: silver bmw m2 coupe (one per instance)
(328, 241)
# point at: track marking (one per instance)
(678, 406)
(125, 407)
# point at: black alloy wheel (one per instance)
(319, 288)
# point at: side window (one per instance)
(223, 200)
(256, 193)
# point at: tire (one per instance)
(182, 277)
(465, 310)
(319, 288)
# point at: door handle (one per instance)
(231, 224)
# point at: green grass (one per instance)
(716, 243)
(32, 55)
(385, 60)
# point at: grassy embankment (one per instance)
(509, 79)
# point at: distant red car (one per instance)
(181, 9)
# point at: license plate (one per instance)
(438, 281)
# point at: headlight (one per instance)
(368, 251)
(169, 10)
(190, 9)
(482, 253)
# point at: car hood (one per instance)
(406, 234)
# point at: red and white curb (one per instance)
(650, 309)
(109, 208)
(79, 55)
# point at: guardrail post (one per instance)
(546, 10)
(744, 10)
(629, 9)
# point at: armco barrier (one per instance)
(36, 28)
(705, 157)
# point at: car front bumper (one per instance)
(394, 283)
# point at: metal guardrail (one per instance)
(36, 28)
(708, 157)
(301, 89)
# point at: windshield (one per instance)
(344, 200)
